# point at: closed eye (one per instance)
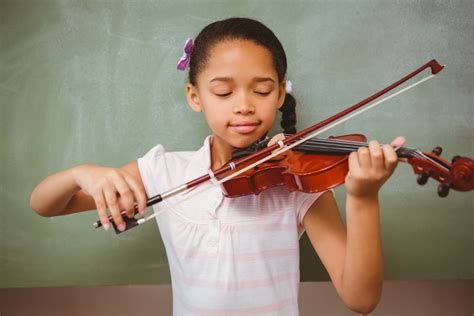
(223, 95)
(229, 93)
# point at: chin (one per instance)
(244, 140)
(241, 143)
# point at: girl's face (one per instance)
(238, 92)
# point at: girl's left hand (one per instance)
(370, 167)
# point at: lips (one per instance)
(244, 127)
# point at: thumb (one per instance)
(275, 139)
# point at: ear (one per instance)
(193, 97)
(281, 93)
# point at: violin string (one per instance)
(348, 146)
(340, 146)
(330, 142)
(422, 155)
(356, 144)
(333, 141)
(337, 147)
(331, 150)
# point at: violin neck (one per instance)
(322, 146)
(343, 147)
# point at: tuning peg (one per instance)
(437, 150)
(443, 190)
(455, 158)
(422, 178)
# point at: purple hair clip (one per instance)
(184, 60)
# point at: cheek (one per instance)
(270, 108)
(272, 117)
(215, 117)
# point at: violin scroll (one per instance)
(457, 175)
(462, 174)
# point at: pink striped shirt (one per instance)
(227, 256)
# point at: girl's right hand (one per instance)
(111, 188)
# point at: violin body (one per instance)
(299, 170)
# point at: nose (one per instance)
(244, 105)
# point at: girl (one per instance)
(239, 255)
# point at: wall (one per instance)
(95, 81)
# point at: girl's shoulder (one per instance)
(164, 169)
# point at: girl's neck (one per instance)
(221, 152)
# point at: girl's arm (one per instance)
(52, 196)
(87, 187)
(353, 256)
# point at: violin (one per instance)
(321, 164)
(304, 162)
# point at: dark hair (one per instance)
(245, 29)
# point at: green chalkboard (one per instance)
(95, 81)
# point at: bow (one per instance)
(184, 60)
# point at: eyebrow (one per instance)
(257, 79)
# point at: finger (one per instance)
(139, 193)
(403, 159)
(126, 194)
(398, 142)
(102, 210)
(376, 155)
(391, 158)
(354, 166)
(363, 156)
(112, 201)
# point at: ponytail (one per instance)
(288, 116)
